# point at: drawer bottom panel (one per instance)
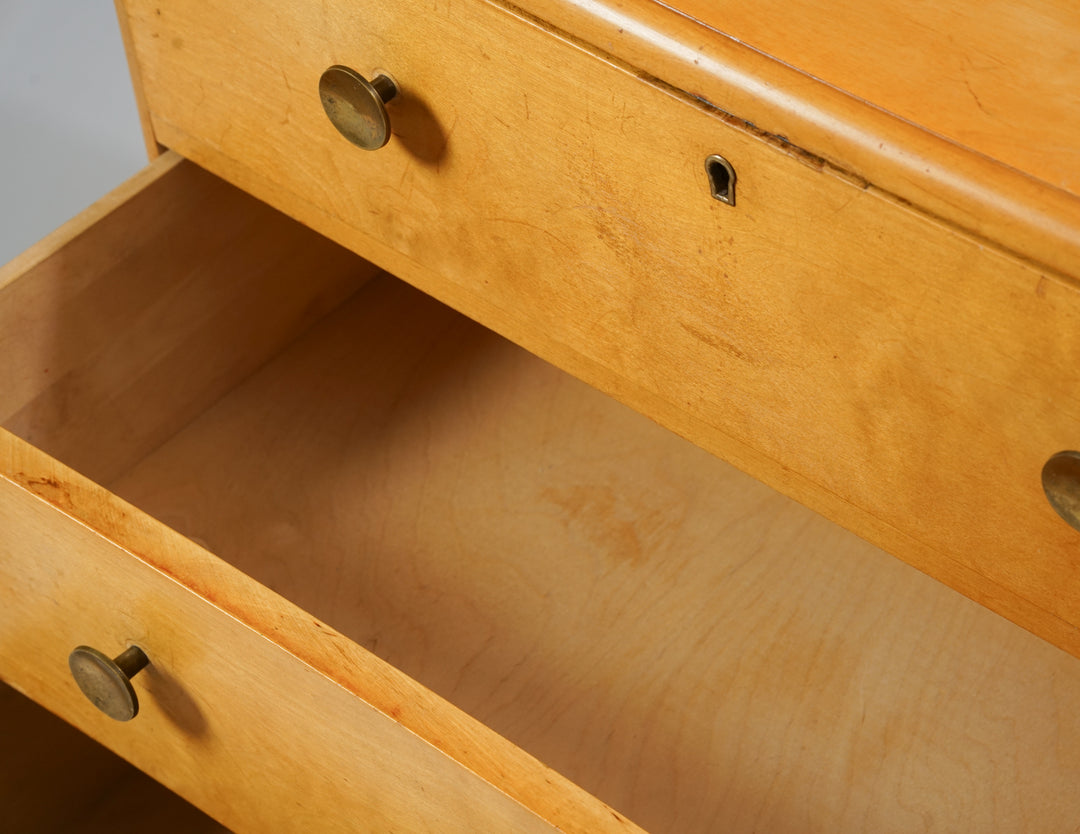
(621, 604)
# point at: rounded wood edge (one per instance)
(825, 127)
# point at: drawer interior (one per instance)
(694, 649)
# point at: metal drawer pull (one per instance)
(1061, 483)
(107, 683)
(356, 106)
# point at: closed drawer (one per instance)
(876, 364)
(389, 569)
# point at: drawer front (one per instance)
(119, 329)
(228, 719)
(903, 379)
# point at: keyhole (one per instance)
(721, 179)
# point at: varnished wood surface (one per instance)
(153, 149)
(79, 566)
(250, 709)
(905, 380)
(55, 780)
(1024, 209)
(1001, 78)
(683, 642)
(132, 318)
(701, 653)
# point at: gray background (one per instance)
(69, 130)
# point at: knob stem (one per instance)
(384, 85)
(131, 661)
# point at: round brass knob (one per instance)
(107, 682)
(356, 106)
(1061, 483)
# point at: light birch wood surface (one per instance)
(904, 379)
(699, 652)
(196, 285)
(690, 647)
(1002, 78)
(907, 120)
(126, 322)
(230, 718)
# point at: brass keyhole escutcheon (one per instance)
(356, 106)
(107, 681)
(1061, 483)
(721, 179)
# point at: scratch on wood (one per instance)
(533, 226)
(714, 341)
(776, 140)
(780, 142)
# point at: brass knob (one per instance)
(107, 682)
(356, 106)
(1061, 483)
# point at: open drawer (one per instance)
(393, 573)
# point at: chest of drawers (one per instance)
(397, 566)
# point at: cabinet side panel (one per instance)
(154, 148)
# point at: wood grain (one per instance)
(901, 378)
(251, 709)
(55, 779)
(699, 652)
(1001, 78)
(181, 279)
(129, 320)
(1015, 194)
(153, 148)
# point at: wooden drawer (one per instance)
(385, 563)
(122, 327)
(875, 362)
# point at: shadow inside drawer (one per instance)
(680, 640)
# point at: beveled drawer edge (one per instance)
(824, 127)
(440, 725)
